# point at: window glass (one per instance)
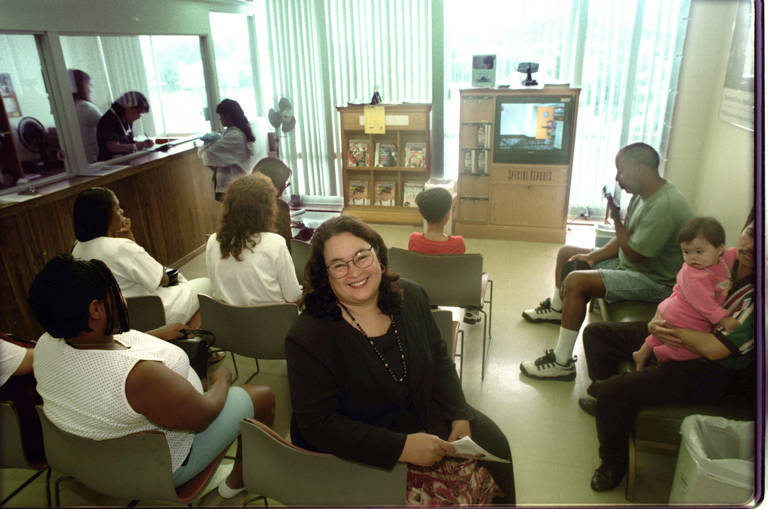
(29, 144)
(167, 70)
(233, 59)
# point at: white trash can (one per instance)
(716, 462)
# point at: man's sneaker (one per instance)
(543, 313)
(547, 368)
(471, 317)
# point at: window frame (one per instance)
(49, 23)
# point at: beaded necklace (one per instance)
(403, 362)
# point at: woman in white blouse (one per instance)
(247, 263)
(232, 155)
(105, 234)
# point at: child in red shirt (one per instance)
(435, 207)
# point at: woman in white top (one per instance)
(100, 380)
(87, 112)
(105, 234)
(247, 263)
(232, 155)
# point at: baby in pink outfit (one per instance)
(702, 284)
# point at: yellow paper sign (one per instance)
(374, 119)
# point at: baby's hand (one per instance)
(730, 323)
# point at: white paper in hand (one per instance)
(467, 448)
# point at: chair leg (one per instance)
(24, 485)
(234, 363)
(48, 486)
(461, 353)
(490, 311)
(258, 370)
(253, 499)
(57, 491)
(485, 349)
(629, 494)
(603, 309)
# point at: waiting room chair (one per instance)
(145, 312)
(450, 332)
(134, 467)
(300, 255)
(12, 453)
(252, 331)
(450, 280)
(291, 475)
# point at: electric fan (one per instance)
(282, 116)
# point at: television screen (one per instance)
(533, 130)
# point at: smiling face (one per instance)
(360, 286)
(699, 253)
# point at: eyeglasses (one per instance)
(362, 260)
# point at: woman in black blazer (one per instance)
(370, 376)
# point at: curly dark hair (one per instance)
(62, 292)
(249, 209)
(318, 298)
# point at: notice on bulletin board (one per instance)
(373, 119)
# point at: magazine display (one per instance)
(359, 153)
(483, 135)
(415, 155)
(358, 192)
(480, 162)
(386, 155)
(385, 193)
(410, 190)
(468, 160)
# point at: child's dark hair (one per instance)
(707, 227)
(92, 213)
(62, 292)
(434, 203)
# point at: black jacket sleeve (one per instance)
(318, 395)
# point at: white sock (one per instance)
(556, 302)
(566, 340)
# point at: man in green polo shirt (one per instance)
(640, 263)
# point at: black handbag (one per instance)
(196, 345)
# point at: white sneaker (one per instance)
(543, 313)
(547, 368)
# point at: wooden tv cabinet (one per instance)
(509, 201)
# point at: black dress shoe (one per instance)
(607, 477)
(589, 405)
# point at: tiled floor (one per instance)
(553, 442)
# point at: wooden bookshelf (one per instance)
(367, 178)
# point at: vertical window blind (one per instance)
(625, 56)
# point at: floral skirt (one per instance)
(451, 481)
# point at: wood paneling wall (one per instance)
(169, 200)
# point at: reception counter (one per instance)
(167, 195)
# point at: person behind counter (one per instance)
(232, 155)
(114, 132)
(103, 233)
(87, 113)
